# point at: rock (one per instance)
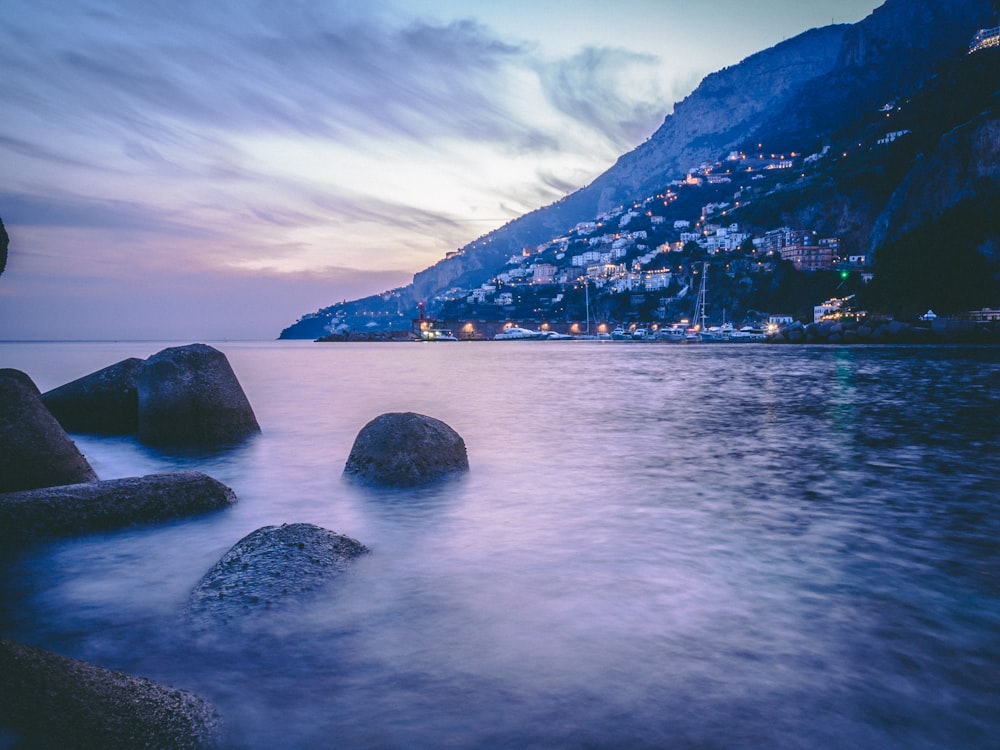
(189, 395)
(20, 377)
(34, 449)
(4, 242)
(105, 401)
(102, 506)
(54, 701)
(406, 449)
(897, 329)
(271, 565)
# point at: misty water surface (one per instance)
(712, 546)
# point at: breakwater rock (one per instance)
(35, 450)
(181, 396)
(887, 332)
(54, 701)
(367, 336)
(105, 401)
(189, 395)
(269, 566)
(405, 449)
(103, 506)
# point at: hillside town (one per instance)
(750, 240)
(642, 263)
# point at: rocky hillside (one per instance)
(726, 108)
(809, 92)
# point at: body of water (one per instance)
(727, 546)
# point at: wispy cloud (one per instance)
(248, 135)
(609, 90)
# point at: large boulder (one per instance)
(20, 377)
(269, 566)
(54, 701)
(102, 506)
(404, 449)
(34, 449)
(105, 401)
(189, 395)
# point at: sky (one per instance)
(186, 170)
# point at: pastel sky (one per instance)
(192, 170)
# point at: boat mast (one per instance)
(699, 305)
(586, 293)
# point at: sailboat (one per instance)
(587, 335)
(679, 333)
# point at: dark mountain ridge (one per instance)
(808, 92)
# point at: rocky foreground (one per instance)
(181, 397)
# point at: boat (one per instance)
(750, 333)
(514, 333)
(556, 336)
(677, 333)
(719, 334)
(437, 334)
(620, 334)
(641, 334)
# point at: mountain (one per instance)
(806, 93)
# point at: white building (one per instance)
(543, 273)
(585, 259)
(656, 280)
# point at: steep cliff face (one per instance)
(937, 28)
(965, 166)
(724, 111)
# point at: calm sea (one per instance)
(715, 546)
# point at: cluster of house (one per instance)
(618, 261)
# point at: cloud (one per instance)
(609, 90)
(257, 68)
(62, 209)
(243, 136)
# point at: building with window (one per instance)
(984, 39)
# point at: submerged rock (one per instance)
(35, 450)
(54, 701)
(271, 565)
(405, 449)
(103, 506)
(105, 401)
(189, 395)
